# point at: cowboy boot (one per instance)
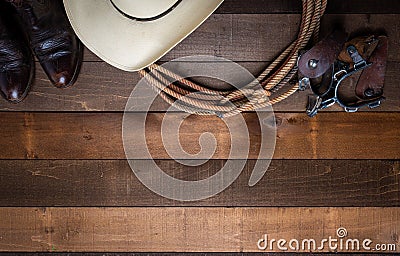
(16, 61)
(51, 38)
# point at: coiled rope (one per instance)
(194, 98)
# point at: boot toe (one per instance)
(62, 71)
(15, 95)
(16, 86)
(61, 79)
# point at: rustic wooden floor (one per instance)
(65, 184)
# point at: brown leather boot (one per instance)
(16, 61)
(52, 39)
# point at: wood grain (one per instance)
(187, 229)
(311, 183)
(166, 254)
(294, 6)
(65, 185)
(101, 87)
(260, 37)
(98, 135)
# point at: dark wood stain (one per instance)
(65, 185)
(287, 183)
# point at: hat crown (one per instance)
(144, 9)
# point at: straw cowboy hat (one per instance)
(132, 34)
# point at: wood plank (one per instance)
(286, 183)
(98, 135)
(167, 254)
(104, 88)
(294, 6)
(101, 87)
(189, 229)
(260, 37)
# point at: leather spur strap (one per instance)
(316, 62)
(365, 88)
(372, 80)
(349, 73)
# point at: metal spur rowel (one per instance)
(350, 73)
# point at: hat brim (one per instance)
(132, 45)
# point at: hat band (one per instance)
(146, 19)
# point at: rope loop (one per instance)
(273, 79)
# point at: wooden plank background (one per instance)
(177, 229)
(66, 186)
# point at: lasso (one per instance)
(250, 97)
